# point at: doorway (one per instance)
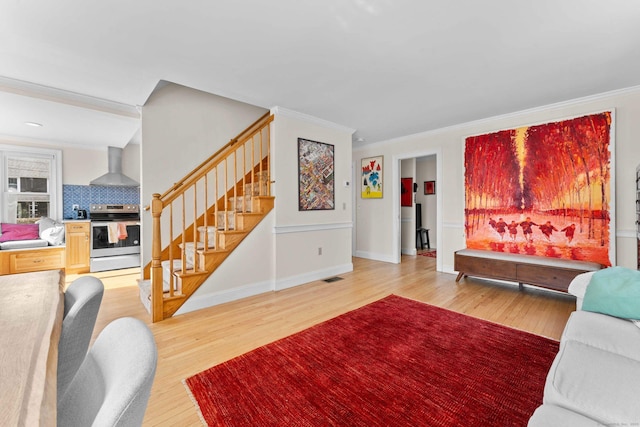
(426, 171)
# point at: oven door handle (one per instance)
(99, 223)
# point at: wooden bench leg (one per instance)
(520, 286)
(459, 276)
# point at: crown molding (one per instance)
(32, 90)
(310, 119)
(48, 143)
(517, 114)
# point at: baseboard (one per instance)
(448, 269)
(375, 256)
(301, 279)
(198, 302)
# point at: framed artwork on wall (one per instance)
(429, 187)
(543, 189)
(406, 191)
(371, 178)
(316, 180)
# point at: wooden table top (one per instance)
(31, 311)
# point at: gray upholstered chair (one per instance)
(81, 304)
(113, 385)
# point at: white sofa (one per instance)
(595, 377)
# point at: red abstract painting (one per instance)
(406, 191)
(542, 190)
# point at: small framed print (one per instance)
(371, 178)
(429, 187)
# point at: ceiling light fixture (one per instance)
(33, 124)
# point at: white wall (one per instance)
(299, 235)
(376, 216)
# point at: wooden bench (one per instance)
(14, 261)
(546, 272)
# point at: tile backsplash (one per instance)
(85, 195)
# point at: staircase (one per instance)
(201, 219)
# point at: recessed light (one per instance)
(33, 124)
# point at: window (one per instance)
(31, 184)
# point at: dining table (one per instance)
(31, 313)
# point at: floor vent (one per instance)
(332, 279)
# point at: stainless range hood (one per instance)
(115, 177)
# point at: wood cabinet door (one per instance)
(78, 247)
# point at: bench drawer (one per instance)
(24, 262)
(487, 267)
(549, 277)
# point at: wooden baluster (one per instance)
(215, 208)
(195, 224)
(244, 177)
(171, 275)
(253, 165)
(206, 210)
(183, 259)
(268, 128)
(261, 164)
(156, 266)
(226, 194)
(235, 186)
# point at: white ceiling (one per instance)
(386, 68)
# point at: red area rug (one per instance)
(430, 254)
(395, 362)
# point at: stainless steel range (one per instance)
(115, 236)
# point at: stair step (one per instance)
(230, 223)
(145, 293)
(210, 236)
(144, 287)
(177, 267)
(241, 204)
(191, 273)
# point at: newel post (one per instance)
(157, 310)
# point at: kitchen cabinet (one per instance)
(78, 246)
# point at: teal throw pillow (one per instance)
(614, 291)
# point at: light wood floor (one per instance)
(193, 342)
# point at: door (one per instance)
(77, 247)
